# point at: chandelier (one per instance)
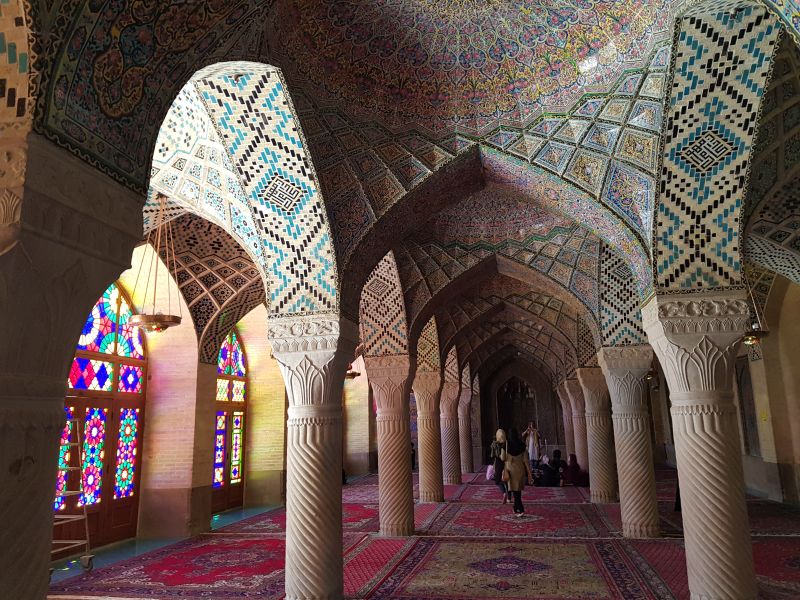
(161, 239)
(757, 329)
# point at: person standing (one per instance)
(519, 469)
(497, 454)
(533, 440)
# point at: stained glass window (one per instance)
(222, 390)
(106, 391)
(94, 440)
(238, 391)
(231, 357)
(99, 331)
(64, 455)
(89, 374)
(126, 452)
(237, 429)
(231, 387)
(219, 449)
(130, 379)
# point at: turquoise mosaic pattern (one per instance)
(721, 66)
(14, 62)
(255, 121)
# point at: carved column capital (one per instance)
(625, 368)
(696, 338)
(449, 398)
(575, 393)
(427, 386)
(464, 401)
(313, 353)
(389, 378)
(595, 389)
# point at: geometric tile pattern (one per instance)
(451, 373)
(218, 280)
(772, 207)
(721, 66)
(14, 62)
(255, 120)
(428, 359)
(382, 315)
(620, 319)
(587, 345)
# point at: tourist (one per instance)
(533, 441)
(572, 473)
(497, 454)
(554, 471)
(519, 469)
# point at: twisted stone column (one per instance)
(575, 392)
(696, 338)
(465, 430)
(427, 387)
(625, 368)
(389, 378)
(566, 415)
(451, 451)
(313, 353)
(600, 436)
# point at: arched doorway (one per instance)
(106, 393)
(229, 419)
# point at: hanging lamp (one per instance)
(757, 330)
(162, 241)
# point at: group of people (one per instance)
(515, 461)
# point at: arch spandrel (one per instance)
(382, 315)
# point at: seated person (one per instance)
(552, 472)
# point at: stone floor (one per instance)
(471, 546)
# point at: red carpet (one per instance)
(471, 547)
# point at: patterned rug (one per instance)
(463, 569)
(539, 520)
(472, 546)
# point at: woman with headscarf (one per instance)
(572, 472)
(497, 454)
(518, 468)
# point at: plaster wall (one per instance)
(265, 435)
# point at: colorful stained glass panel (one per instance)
(129, 343)
(94, 441)
(64, 455)
(130, 379)
(89, 374)
(237, 433)
(98, 334)
(238, 391)
(219, 449)
(222, 390)
(126, 452)
(231, 357)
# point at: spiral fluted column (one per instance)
(566, 415)
(389, 378)
(313, 353)
(465, 429)
(575, 392)
(625, 369)
(600, 435)
(696, 339)
(451, 448)
(427, 387)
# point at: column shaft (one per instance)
(696, 339)
(566, 415)
(314, 379)
(388, 376)
(575, 392)
(600, 436)
(427, 390)
(451, 450)
(625, 369)
(465, 430)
